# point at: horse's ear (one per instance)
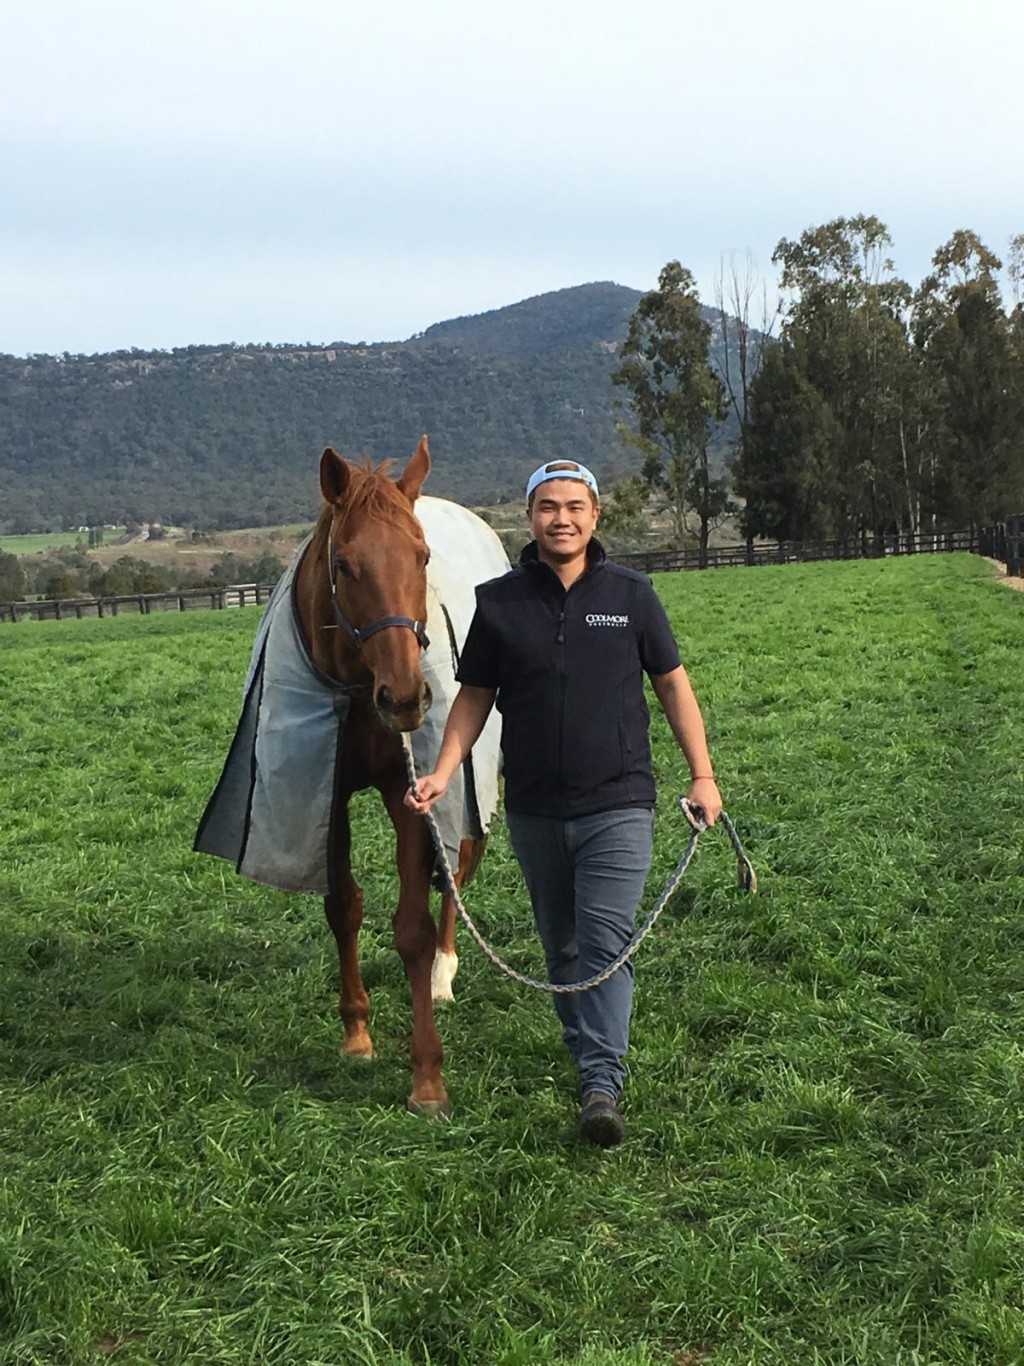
(410, 481)
(334, 476)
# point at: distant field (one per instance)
(174, 548)
(48, 540)
(177, 548)
(825, 1160)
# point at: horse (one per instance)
(359, 597)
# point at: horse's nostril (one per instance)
(385, 698)
(428, 697)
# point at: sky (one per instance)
(209, 171)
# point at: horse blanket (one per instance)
(271, 812)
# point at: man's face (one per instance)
(563, 518)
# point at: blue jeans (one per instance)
(586, 877)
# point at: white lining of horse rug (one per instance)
(271, 812)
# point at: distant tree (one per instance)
(231, 568)
(129, 575)
(267, 569)
(624, 518)
(1016, 336)
(746, 322)
(59, 583)
(845, 316)
(788, 475)
(674, 395)
(13, 582)
(1015, 269)
(967, 355)
(154, 578)
(227, 569)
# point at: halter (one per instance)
(361, 634)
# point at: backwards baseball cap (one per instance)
(561, 469)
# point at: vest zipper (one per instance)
(562, 671)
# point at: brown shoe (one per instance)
(600, 1121)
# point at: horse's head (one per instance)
(373, 558)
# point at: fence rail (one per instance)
(1004, 541)
(187, 600)
(800, 552)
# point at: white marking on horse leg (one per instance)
(442, 975)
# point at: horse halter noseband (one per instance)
(361, 634)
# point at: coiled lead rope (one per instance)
(746, 875)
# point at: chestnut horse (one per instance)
(361, 595)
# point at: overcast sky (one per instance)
(320, 170)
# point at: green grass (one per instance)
(37, 543)
(826, 1107)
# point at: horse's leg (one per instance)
(416, 940)
(446, 960)
(344, 910)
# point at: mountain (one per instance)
(559, 321)
(231, 435)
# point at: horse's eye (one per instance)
(426, 557)
(343, 568)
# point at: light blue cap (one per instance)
(561, 469)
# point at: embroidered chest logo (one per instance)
(602, 619)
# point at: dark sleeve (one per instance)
(480, 661)
(659, 653)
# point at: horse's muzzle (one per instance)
(403, 714)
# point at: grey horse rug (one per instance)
(271, 812)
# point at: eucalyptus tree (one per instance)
(787, 473)
(1015, 270)
(746, 321)
(971, 368)
(624, 513)
(847, 306)
(674, 395)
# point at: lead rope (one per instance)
(746, 875)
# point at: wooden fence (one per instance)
(799, 552)
(1005, 541)
(187, 600)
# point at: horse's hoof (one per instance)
(430, 1109)
(360, 1053)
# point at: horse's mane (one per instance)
(372, 497)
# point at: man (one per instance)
(561, 644)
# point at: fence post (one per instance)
(1014, 529)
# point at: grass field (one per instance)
(175, 548)
(826, 1108)
(42, 541)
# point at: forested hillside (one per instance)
(230, 435)
(560, 321)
